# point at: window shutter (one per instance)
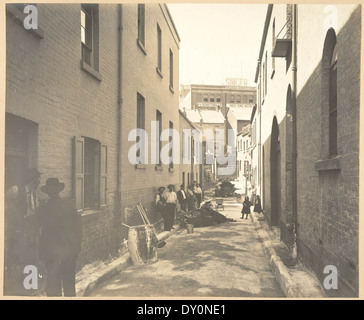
(78, 171)
(103, 175)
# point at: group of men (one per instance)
(166, 201)
(58, 233)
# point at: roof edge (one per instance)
(264, 38)
(174, 26)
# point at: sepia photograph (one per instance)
(181, 150)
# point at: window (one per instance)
(232, 98)
(333, 104)
(90, 173)
(238, 99)
(205, 98)
(171, 145)
(170, 69)
(218, 98)
(140, 116)
(251, 100)
(159, 144)
(159, 32)
(89, 35)
(212, 98)
(141, 24)
(329, 97)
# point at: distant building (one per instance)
(238, 117)
(220, 98)
(254, 152)
(192, 171)
(243, 150)
(214, 121)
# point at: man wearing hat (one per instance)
(182, 197)
(171, 201)
(160, 203)
(24, 196)
(60, 241)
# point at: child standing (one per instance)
(246, 208)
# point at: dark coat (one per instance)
(257, 205)
(180, 196)
(61, 235)
(246, 206)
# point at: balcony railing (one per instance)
(282, 43)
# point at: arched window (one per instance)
(333, 104)
(329, 98)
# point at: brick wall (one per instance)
(140, 76)
(46, 84)
(328, 199)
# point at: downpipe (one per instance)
(294, 154)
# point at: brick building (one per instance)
(75, 88)
(308, 77)
(220, 97)
(191, 170)
(243, 157)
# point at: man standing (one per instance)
(160, 203)
(182, 198)
(60, 241)
(171, 201)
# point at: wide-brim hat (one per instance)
(170, 186)
(52, 186)
(161, 188)
(31, 174)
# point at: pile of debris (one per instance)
(225, 189)
(203, 217)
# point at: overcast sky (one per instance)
(218, 41)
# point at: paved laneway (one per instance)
(226, 260)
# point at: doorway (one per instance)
(275, 164)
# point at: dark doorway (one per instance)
(275, 172)
(21, 148)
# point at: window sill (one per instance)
(140, 166)
(19, 17)
(159, 72)
(141, 46)
(158, 168)
(90, 70)
(90, 215)
(171, 89)
(170, 169)
(328, 164)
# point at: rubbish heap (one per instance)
(203, 217)
(225, 189)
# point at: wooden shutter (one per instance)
(78, 171)
(103, 175)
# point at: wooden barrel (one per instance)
(142, 244)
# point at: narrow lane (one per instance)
(226, 260)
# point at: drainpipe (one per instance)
(294, 153)
(259, 109)
(120, 102)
